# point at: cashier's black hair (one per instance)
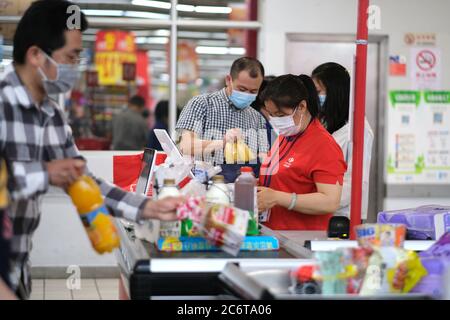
(289, 90)
(252, 65)
(336, 80)
(259, 103)
(43, 25)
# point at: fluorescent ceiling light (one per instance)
(152, 40)
(219, 50)
(162, 33)
(148, 15)
(237, 51)
(108, 13)
(158, 40)
(182, 7)
(211, 50)
(185, 7)
(211, 9)
(154, 4)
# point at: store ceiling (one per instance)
(155, 40)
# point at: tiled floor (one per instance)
(90, 289)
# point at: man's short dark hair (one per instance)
(252, 65)
(43, 24)
(137, 101)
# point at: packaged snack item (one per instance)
(223, 226)
(392, 270)
(190, 214)
(356, 261)
(331, 272)
(422, 223)
(381, 235)
(303, 281)
(436, 261)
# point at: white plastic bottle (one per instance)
(169, 228)
(218, 193)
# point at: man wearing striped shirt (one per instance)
(36, 137)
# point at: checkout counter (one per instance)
(146, 273)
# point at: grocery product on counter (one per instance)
(372, 234)
(332, 272)
(436, 261)
(245, 197)
(195, 244)
(87, 198)
(303, 281)
(218, 192)
(237, 152)
(392, 270)
(169, 228)
(245, 190)
(224, 226)
(422, 223)
(380, 266)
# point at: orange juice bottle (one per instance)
(87, 198)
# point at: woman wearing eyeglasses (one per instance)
(301, 178)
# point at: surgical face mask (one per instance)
(66, 77)
(286, 126)
(322, 98)
(242, 100)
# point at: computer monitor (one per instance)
(146, 173)
(169, 146)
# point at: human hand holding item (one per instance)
(63, 173)
(233, 135)
(164, 209)
(267, 198)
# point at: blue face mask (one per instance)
(322, 98)
(241, 100)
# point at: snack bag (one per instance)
(190, 215)
(356, 261)
(381, 235)
(392, 270)
(223, 226)
(331, 272)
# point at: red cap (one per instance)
(305, 273)
(246, 169)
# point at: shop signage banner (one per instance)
(419, 137)
(112, 50)
(426, 68)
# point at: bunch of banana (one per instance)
(237, 152)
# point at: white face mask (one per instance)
(286, 126)
(66, 77)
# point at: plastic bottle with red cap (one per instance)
(245, 197)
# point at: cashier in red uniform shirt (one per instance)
(301, 178)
